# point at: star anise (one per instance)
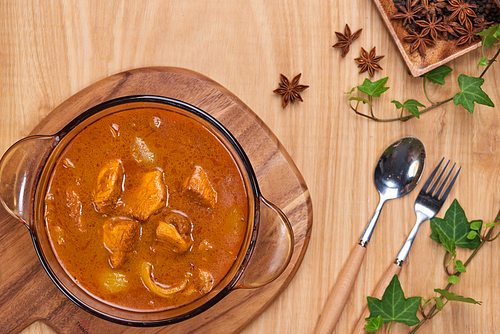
(369, 62)
(467, 35)
(418, 42)
(431, 26)
(436, 7)
(346, 39)
(462, 10)
(449, 27)
(290, 91)
(480, 23)
(432, 7)
(407, 14)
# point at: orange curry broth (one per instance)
(174, 144)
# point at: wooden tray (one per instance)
(440, 54)
(26, 292)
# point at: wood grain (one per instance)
(50, 50)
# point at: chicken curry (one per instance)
(146, 209)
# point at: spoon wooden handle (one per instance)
(341, 291)
(393, 269)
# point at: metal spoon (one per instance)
(397, 172)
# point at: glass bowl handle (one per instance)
(273, 248)
(20, 168)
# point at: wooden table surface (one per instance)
(50, 50)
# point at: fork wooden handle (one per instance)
(393, 269)
(341, 291)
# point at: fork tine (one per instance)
(444, 181)
(447, 191)
(434, 185)
(429, 179)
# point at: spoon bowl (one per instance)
(397, 172)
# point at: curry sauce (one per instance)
(146, 209)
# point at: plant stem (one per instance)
(425, 92)
(492, 60)
(431, 312)
(402, 119)
(434, 104)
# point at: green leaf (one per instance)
(373, 324)
(453, 279)
(488, 225)
(394, 306)
(454, 297)
(361, 99)
(411, 105)
(459, 266)
(437, 75)
(476, 225)
(471, 235)
(490, 35)
(374, 89)
(454, 226)
(482, 62)
(439, 303)
(470, 92)
(447, 242)
(351, 91)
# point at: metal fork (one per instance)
(427, 205)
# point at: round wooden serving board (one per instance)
(26, 292)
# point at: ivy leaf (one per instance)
(476, 225)
(490, 35)
(482, 62)
(373, 324)
(411, 105)
(488, 225)
(470, 92)
(439, 303)
(447, 242)
(471, 235)
(436, 76)
(459, 266)
(360, 99)
(351, 91)
(454, 226)
(374, 89)
(454, 297)
(453, 279)
(394, 306)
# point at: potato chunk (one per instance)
(148, 197)
(108, 186)
(198, 187)
(119, 237)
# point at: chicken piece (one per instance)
(108, 186)
(198, 186)
(148, 197)
(167, 237)
(75, 209)
(119, 238)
